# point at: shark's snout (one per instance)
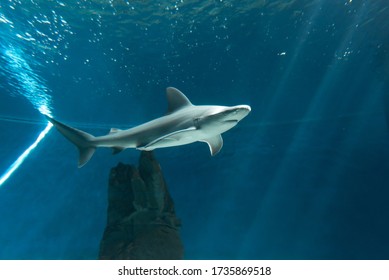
(246, 108)
(241, 111)
(243, 108)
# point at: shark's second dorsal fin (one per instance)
(176, 100)
(114, 130)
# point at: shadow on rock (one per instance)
(141, 219)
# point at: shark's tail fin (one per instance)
(81, 139)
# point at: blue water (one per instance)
(304, 176)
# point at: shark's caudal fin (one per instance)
(81, 139)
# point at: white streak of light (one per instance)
(23, 156)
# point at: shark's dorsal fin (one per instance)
(114, 130)
(215, 144)
(176, 100)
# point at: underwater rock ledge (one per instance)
(141, 220)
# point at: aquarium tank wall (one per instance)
(303, 176)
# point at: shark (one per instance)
(184, 123)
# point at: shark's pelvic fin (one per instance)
(176, 100)
(81, 139)
(215, 144)
(116, 150)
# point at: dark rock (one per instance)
(141, 222)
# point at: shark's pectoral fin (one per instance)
(116, 150)
(215, 144)
(167, 140)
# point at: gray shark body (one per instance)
(183, 124)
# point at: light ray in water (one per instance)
(31, 87)
(23, 156)
(28, 83)
(21, 77)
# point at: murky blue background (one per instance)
(304, 176)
